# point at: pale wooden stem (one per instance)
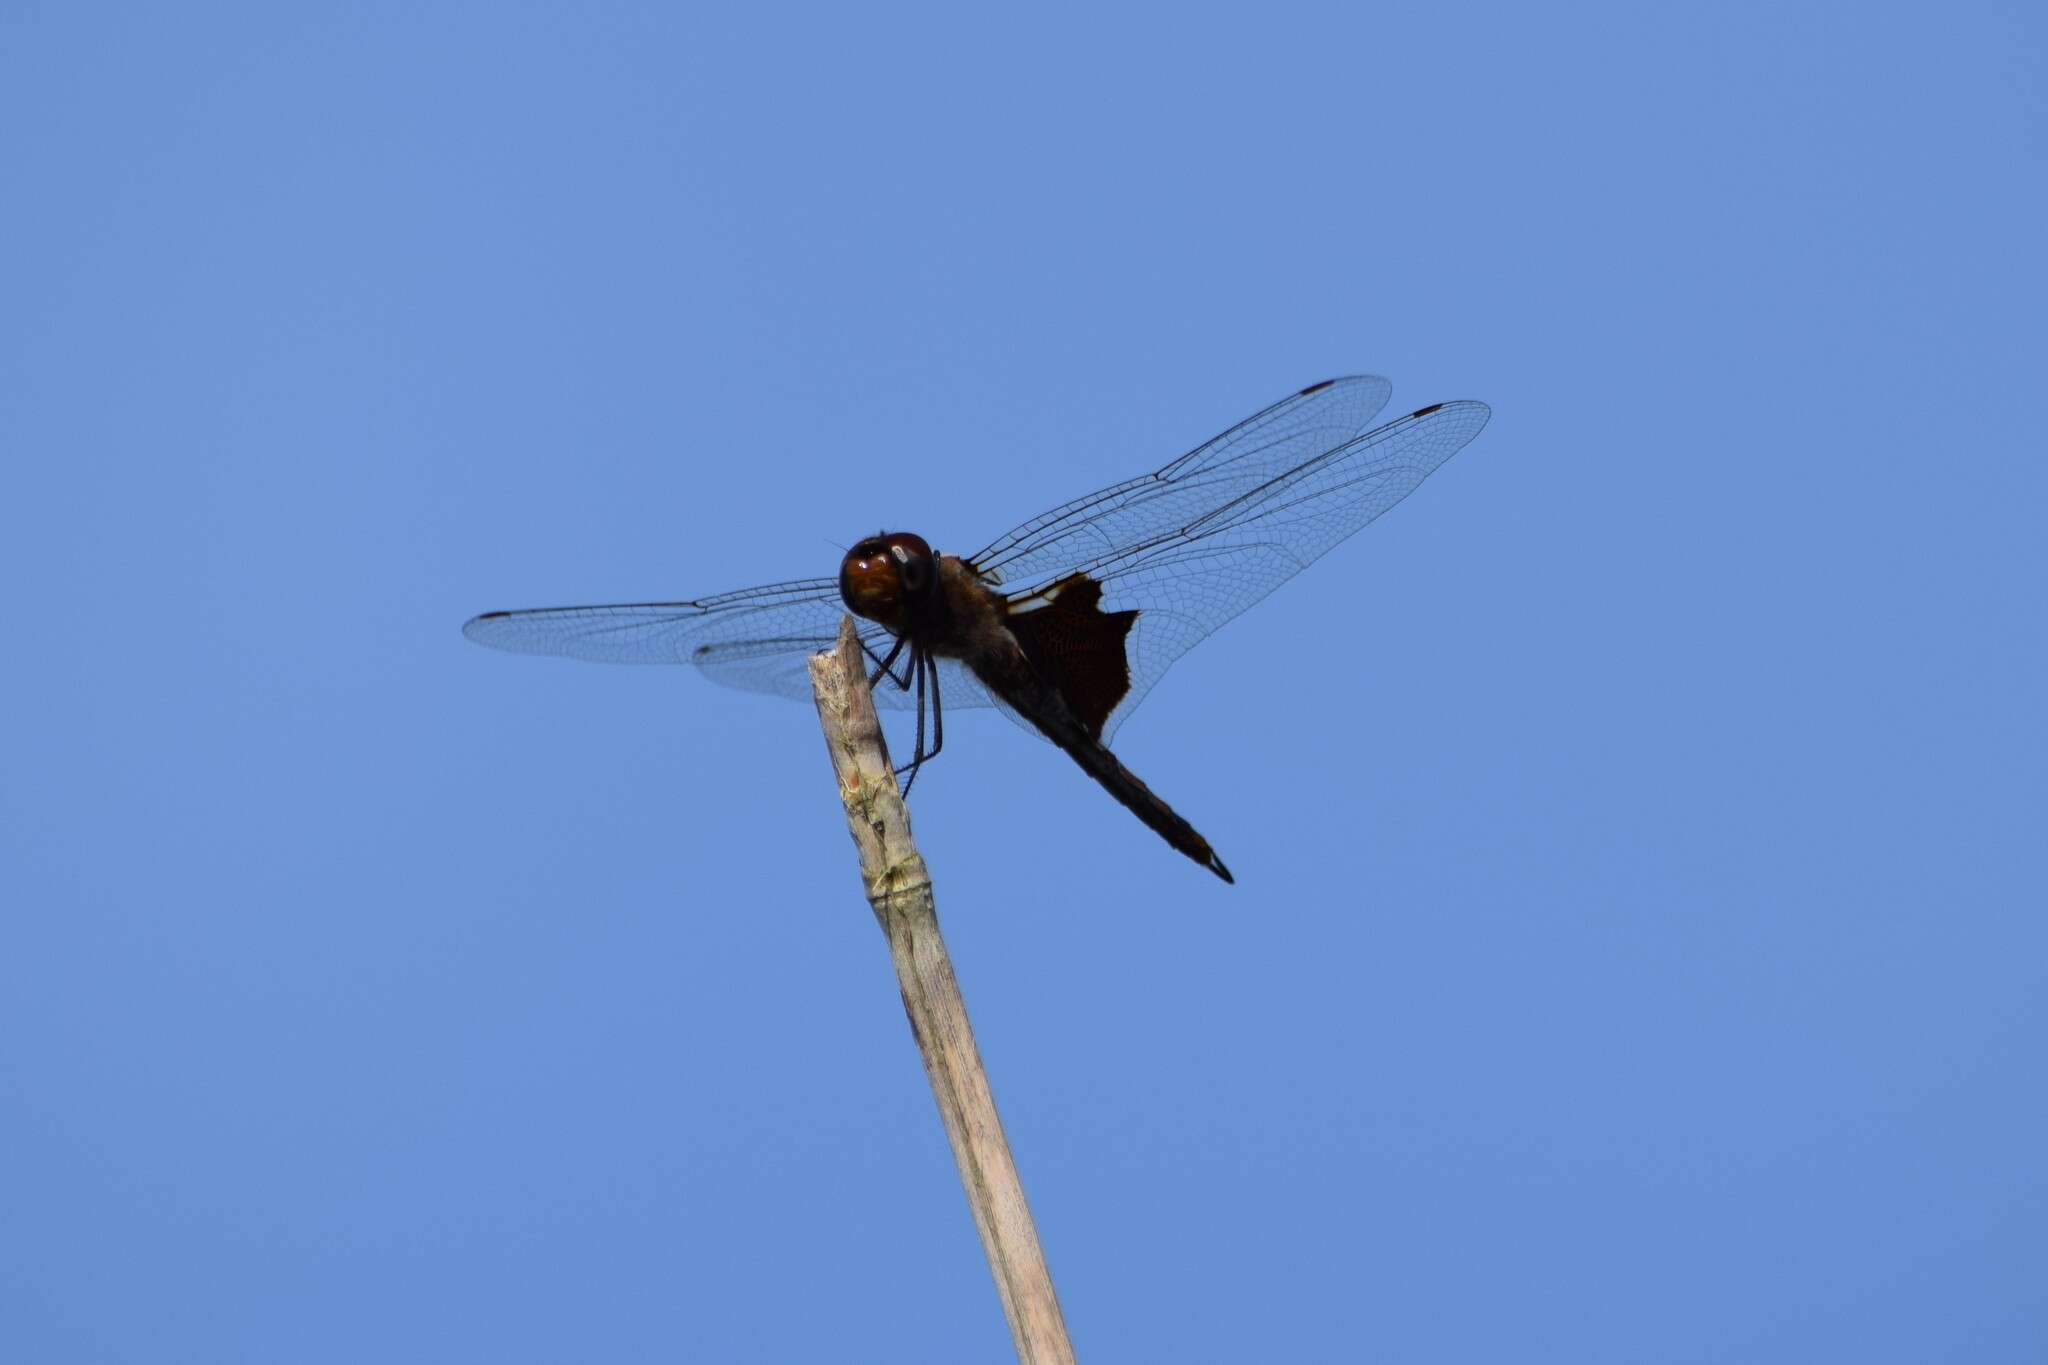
(900, 892)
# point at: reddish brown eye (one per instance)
(913, 561)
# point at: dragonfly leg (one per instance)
(927, 669)
(920, 664)
(882, 665)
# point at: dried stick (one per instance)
(900, 892)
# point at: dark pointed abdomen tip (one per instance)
(1216, 866)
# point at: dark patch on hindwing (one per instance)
(1078, 648)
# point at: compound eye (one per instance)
(910, 566)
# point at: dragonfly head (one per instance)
(889, 579)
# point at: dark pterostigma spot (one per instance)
(1424, 412)
(1315, 388)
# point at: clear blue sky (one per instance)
(1639, 948)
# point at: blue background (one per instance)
(1639, 950)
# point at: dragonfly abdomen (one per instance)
(1030, 697)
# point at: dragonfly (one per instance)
(1067, 622)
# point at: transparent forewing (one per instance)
(1205, 538)
(1284, 436)
(1188, 547)
(757, 639)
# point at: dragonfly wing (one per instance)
(1281, 437)
(1190, 547)
(1186, 548)
(757, 639)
